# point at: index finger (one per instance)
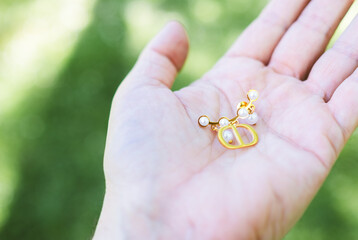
(260, 39)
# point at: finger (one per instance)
(336, 64)
(308, 37)
(260, 39)
(344, 105)
(163, 57)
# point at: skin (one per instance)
(169, 178)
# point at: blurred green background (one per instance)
(60, 64)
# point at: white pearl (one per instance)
(204, 121)
(253, 95)
(228, 136)
(253, 118)
(243, 113)
(223, 122)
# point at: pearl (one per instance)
(204, 121)
(253, 95)
(252, 119)
(243, 113)
(228, 136)
(223, 122)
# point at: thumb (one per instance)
(163, 57)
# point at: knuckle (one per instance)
(347, 49)
(316, 23)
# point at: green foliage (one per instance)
(56, 135)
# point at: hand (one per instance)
(169, 178)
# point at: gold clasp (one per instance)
(245, 110)
(237, 136)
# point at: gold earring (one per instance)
(245, 110)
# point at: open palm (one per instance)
(169, 178)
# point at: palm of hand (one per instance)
(179, 178)
(297, 135)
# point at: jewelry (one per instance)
(228, 128)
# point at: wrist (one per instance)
(109, 225)
(121, 219)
